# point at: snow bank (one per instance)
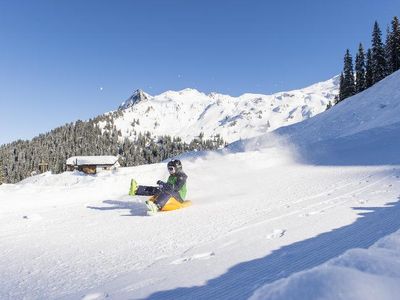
(376, 107)
(372, 273)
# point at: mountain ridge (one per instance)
(188, 113)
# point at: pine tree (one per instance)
(378, 55)
(393, 47)
(396, 47)
(388, 52)
(348, 76)
(369, 80)
(360, 70)
(1, 172)
(341, 89)
(85, 138)
(329, 105)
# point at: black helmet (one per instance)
(176, 164)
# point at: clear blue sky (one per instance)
(74, 59)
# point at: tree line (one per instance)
(379, 61)
(22, 158)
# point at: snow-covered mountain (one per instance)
(189, 112)
(309, 211)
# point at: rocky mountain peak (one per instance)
(137, 96)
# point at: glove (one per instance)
(161, 184)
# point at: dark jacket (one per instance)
(177, 183)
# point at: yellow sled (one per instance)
(172, 203)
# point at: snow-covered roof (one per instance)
(92, 160)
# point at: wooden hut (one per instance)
(92, 164)
(43, 167)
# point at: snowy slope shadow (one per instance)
(240, 281)
(135, 208)
(373, 147)
(377, 146)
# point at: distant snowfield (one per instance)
(188, 112)
(289, 215)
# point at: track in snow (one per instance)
(240, 281)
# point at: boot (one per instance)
(152, 208)
(133, 188)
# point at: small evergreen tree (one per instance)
(388, 51)
(392, 47)
(329, 105)
(396, 44)
(360, 70)
(378, 55)
(1, 172)
(341, 89)
(336, 99)
(348, 76)
(369, 80)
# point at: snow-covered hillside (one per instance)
(363, 130)
(189, 112)
(265, 211)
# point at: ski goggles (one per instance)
(171, 169)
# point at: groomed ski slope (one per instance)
(70, 235)
(265, 210)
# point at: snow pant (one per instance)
(161, 194)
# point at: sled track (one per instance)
(264, 219)
(241, 280)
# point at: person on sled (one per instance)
(172, 190)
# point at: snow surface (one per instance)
(189, 112)
(372, 273)
(299, 213)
